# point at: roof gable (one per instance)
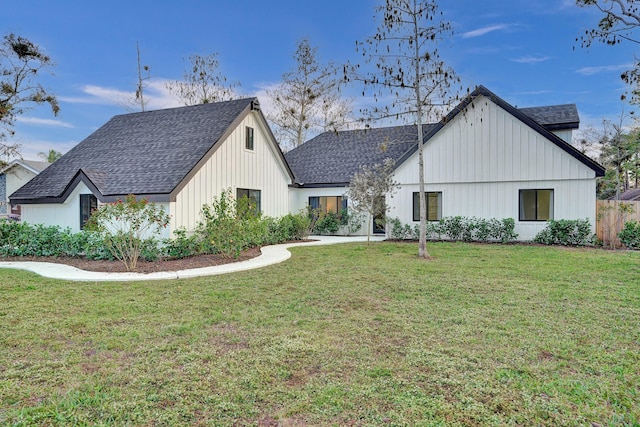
(33, 166)
(518, 114)
(147, 153)
(331, 158)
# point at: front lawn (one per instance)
(337, 335)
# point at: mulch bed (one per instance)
(144, 266)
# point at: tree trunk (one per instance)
(422, 241)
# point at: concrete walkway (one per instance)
(270, 255)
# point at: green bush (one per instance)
(294, 226)
(129, 228)
(457, 228)
(23, 239)
(326, 223)
(228, 227)
(570, 232)
(630, 235)
(182, 245)
(94, 247)
(398, 231)
(219, 230)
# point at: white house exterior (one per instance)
(179, 158)
(481, 161)
(233, 166)
(486, 160)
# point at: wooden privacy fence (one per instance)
(610, 218)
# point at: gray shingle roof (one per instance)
(333, 157)
(139, 153)
(554, 117)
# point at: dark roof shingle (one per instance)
(334, 157)
(139, 153)
(554, 117)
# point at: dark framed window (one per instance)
(326, 204)
(248, 144)
(252, 195)
(535, 205)
(88, 204)
(434, 205)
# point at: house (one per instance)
(180, 158)
(13, 176)
(486, 159)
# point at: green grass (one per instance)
(337, 335)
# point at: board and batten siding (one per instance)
(65, 214)
(480, 161)
(232, 166)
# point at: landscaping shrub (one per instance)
(182, 245)
(23, 239)
(331, 223)
(570, 232)
(398, 231)
(294, 226)
(326, 223)
(219, 231)
(457, 228)
(94, 247)
(129, 228)
(630, 235)
(229, 226)
(287, 228)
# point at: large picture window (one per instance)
(88, 204)
(326, 204)
(536, 205)
(434, 206)
(252, 195)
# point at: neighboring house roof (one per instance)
(150, 153)
(629, 195)
(332, 158)
(32, 165)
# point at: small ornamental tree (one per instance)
(128, 226)
(368, 189)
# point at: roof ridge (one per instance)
(186, 107)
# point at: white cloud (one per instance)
(531, 59)
(589, 71)
(535, 92)
(156, 96)
(265, 102)
(44, 122)
(484, 30)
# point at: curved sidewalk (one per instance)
(269, 255)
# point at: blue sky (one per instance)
(523, 50)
